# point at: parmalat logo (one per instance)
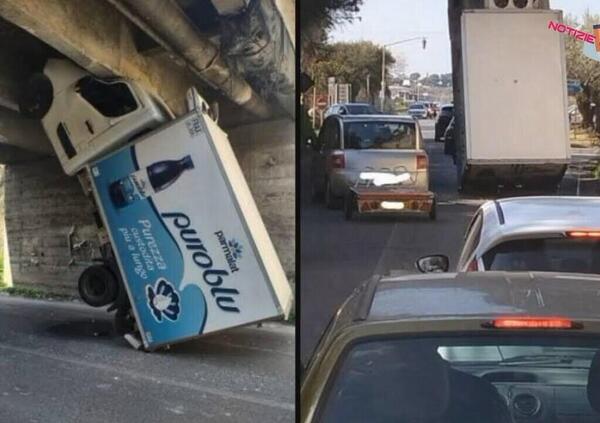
(232, 249)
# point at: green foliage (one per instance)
(580, 67)
(351, 62)
(317, 17)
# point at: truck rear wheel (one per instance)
(433, 211)
(98, 286)
(349, 205)
(331, 202)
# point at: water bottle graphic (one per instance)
(145, 182)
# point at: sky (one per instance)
(387, 21)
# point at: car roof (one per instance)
(376, 118)
(545, 214)
(482, 294)
(351, 104)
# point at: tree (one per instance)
(317, 17)
(584, 69)
(432, 80)
(352, 63)
(446, 79)
(415, 76)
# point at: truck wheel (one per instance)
(349, 206)
(98, 286)
(316, 195)
(36, 96)
(330, 201)
(433, 211)
(124, 321)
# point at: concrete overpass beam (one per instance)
(98, 38)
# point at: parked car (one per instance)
(558, 234)
(84, 116)
(431, 109)
(445, 116)
(418, 111)
(351, 109)
(496, 347)
(349, 146)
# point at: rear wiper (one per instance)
(543, 359)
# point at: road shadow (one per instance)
(83, 329)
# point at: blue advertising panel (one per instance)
(191, 260)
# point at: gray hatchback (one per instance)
(353, 147)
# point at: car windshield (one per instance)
(361, 109)
(380, 135)
(416, 106)
(467, 379)
(575, 255)
(447, 110)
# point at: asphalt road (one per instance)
(61, 362)
(337, 255)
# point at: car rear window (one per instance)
(361, 109)
(380, 135)
(417, 106)
(574, 255)
(473, 378)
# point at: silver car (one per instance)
(557, 234)
(418, 111)
(350, 145)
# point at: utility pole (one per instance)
(368, 87)
(423, 40)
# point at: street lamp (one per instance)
(424, 41)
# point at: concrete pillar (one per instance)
(42, 207)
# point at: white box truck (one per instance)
(515, 100)
(191, 248)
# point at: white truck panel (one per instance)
(515, 110)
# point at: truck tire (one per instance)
(36, 96)
(124, 321)
(330, 201)
(433, 211)
(349, 205)
(98, 286)
(316, 194)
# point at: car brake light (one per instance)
(473, 267)
(337, 160)
(421, 161)
(584, 234)
(532, 322)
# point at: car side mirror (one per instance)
(438, 263)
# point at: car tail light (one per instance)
(422, 161)
(473, 266)
(533, 322)
(337, 160)
(584, 234)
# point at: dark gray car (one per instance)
(469, 348)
